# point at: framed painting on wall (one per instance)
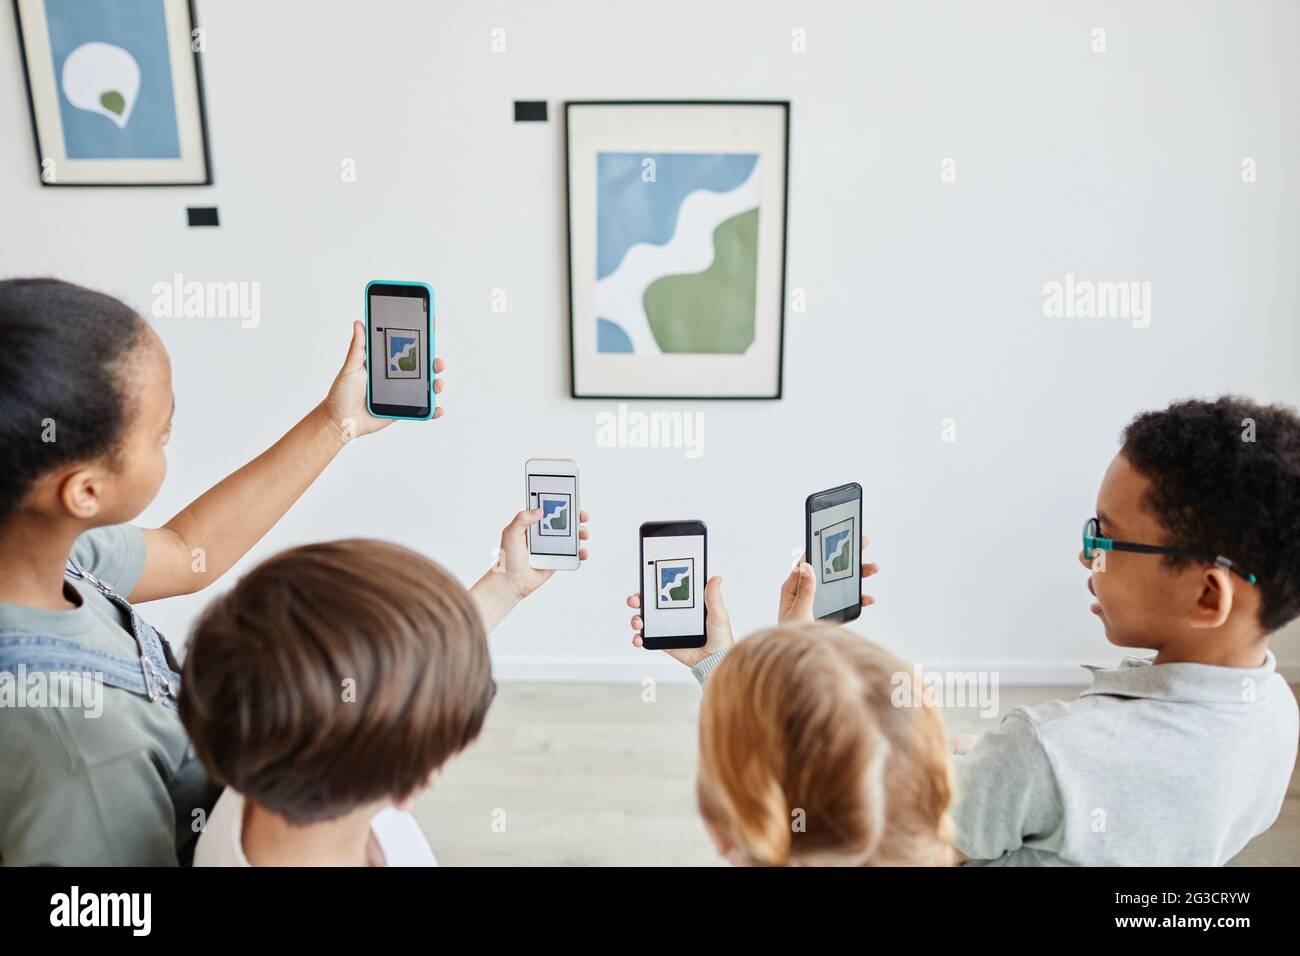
(677, 230)
(115, 92)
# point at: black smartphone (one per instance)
(833, 539)
(399, 350)
(674, 568)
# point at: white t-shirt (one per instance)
(399, 839)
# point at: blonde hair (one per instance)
(805, 760)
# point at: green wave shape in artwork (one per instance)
(710, 312)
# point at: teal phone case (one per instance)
(433, 398)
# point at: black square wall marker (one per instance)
(203, 216)
(530, 111)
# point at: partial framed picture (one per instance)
(556, 514)
(677, 226)
(115, 92)
(676, 580)
(402, 346)
(837, 551)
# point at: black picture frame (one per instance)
(785, 229)
(36, 136)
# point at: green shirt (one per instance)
(117, 789)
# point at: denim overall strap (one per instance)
(22, 653)
(154, 675)
(157, 663)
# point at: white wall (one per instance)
(1122, 165)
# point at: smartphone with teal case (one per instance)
(399, 350)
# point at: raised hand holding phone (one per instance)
(511, 578)
(798, 592)
(673, 559)
(796, 607)
(346, 405)
(833, 529)
(551, 486)
(717, 628)
(399, 350)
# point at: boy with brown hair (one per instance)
(327, 689)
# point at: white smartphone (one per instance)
(552, 485)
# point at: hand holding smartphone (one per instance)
(833, 542)
(674, 568)
(399, 350)
(551, 484)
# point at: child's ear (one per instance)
(720, 842)
(1214, 600)
(81, 494)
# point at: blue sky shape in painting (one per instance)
(398, 343)
(610, 337)
(629, 210)
(552, 505)
(672, 575)
(140, 28)
(831, 545)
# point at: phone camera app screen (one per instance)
(671, 584)
(835, 557)
(399, 373)
(557, 532)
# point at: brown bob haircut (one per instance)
(335, 675)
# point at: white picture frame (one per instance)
(115, 92)
(672, 207)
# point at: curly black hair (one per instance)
(62, 349)
(1225, 479)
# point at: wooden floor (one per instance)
(593, 775)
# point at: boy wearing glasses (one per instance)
(1181, 758)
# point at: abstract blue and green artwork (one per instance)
(676, 252)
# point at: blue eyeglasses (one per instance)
(1093, 542)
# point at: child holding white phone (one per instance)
(325, 779)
